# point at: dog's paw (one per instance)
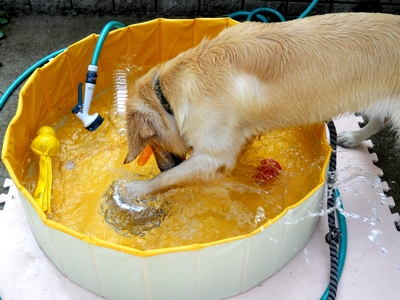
(348, 139)
(140, 187)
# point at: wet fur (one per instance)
(257, 77)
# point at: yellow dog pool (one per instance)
(210, 243)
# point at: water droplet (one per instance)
(305, 250)
(350, 189)
(374, 233)
(273, 240)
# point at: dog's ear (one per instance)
(140, 131)
(146, 130)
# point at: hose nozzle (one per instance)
(90, 122)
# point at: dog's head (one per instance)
(150, 121)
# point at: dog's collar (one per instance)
(160, 95)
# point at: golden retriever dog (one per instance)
(255, 77)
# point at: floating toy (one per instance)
(45, 145)
(144, 156)
(268, 170)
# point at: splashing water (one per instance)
(358, 175)
(350, 189)
(374, 233)
(89, 163)
(305, 250)
(260, 215)
(130, 214)
(346, 214)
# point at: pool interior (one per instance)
(90, 166)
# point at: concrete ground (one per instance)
(30, 38)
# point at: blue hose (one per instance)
(267, 10)
(342, 241)
(256, 14)
(102, 37)
(25, 74)
(308, 9)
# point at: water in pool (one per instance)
(88, 171)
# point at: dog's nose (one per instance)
(166, 160)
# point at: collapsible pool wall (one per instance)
(192, 8)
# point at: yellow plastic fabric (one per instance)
(54, 88)
(45, 145)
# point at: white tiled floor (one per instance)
(371, 271)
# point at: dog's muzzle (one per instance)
(165, 160)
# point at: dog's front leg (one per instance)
(197, 168)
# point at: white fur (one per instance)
(254, 78)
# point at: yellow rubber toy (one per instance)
(45, 145)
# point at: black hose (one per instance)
(333, 236)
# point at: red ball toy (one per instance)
(268, 170)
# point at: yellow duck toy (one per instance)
(45, 145)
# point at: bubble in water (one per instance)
(69, 165)
(260, 215)
(122, 132)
